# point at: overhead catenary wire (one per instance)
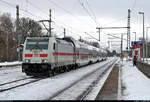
(14, 6)
(55, 18)
(91, 36)
(113, 35)
(92, 12)
(94, 17)
(87, 12)
(67, 11)
(42, 11)
(133, 6)
(85, 9)
(120, 19)
(47, 14)
(73, 15)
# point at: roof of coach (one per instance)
(62, 41)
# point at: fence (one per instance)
(144, 67)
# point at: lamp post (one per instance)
(135, 35)
(143, 35)
(146, 41)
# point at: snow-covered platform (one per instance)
(109, 91)
(135, 85)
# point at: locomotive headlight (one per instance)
(27, 60)
(45, 60)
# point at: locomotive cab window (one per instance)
(41, 44)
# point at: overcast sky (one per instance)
(80, 16)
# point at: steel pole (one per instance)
(147, 42)
(135, 35)
(143, 36)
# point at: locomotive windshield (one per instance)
(37, 44)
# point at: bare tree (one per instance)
(8, 36)
(8, 42)
(29, 27)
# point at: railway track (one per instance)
(18, 83)
(15, 81)
(84, 89)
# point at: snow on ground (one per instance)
(11, 73)
(137, 85)
(45, 88)
(84, 84)
(9, 63)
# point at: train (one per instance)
(50, 55)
